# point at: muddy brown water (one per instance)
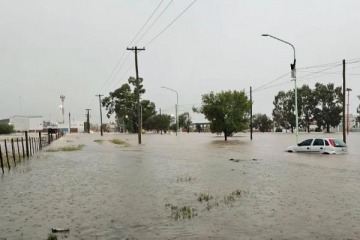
(108, 191)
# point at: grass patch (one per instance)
(204, 197)
(67, 148)
(119, 142)
(181, 212)
(232, 196)
(100, 141)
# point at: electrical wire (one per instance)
(276, 79)
(154, 38)
(152, 24)
(152, 14)
(118, 67)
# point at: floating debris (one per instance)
(54, 230)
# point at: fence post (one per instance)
(1, 160)
(27, 144)
(7, 156)
(40, 143)
(13, 150)
(22, 144)
(17, 143)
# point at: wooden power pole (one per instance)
(88, 120)
(101, 129)
(136, 50)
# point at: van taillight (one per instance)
(332, 142)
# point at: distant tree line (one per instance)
(322, 105)
(229, 111)
(6, 129)
(122, 103)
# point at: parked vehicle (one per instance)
(320, 145)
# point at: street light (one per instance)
(176, 108)
(293, 75)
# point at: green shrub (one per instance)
(6, 129)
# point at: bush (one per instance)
(6, 129)
(278, 130)
(318, 129)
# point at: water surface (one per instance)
(109, 191)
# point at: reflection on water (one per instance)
(109, 191)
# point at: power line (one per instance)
(332, 73)
(112, 75)
(302, 78)
(152, 24)
(153, 39)
(152, 14)
(278, 78)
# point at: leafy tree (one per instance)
(6, 129)
(284, 111)
(123, 102)
(185, 121)
(198, 127)
(308, 103)
(262, 122)
(227, 111)
(328, 112)
(159, 122)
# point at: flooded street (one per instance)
(110, 191)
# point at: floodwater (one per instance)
(109, 191)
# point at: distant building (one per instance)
(26, 123)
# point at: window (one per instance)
(318, 142)
(306, 142)
(327, 143)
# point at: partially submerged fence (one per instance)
(15, 150)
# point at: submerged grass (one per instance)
(100, 141)
(119, 142)
(66, 148)
(182, 212)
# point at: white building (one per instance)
(26, 123)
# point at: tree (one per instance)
(328, 112)
(198, 127)
(262, 122)
(283, 113)
(185, 121)
(227, 111)
(159, 122)
(6, 129)
(123, 102)
(308, 102)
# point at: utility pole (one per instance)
(344, 89)
(101, 129)
(88, 120)
(135, 49)
(251, 116)
(160, 120)
(348, 115)
(69, 123)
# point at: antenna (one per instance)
(62, 97)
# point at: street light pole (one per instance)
(176, 108)
(348, 115)
(293, 75)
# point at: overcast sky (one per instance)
(78, 48)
